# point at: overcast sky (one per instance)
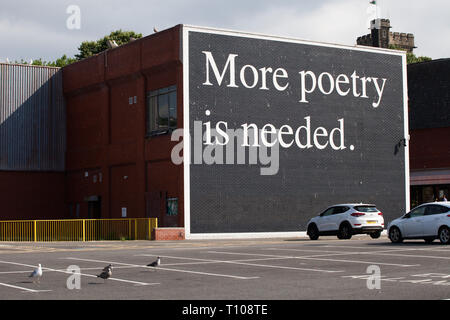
(38, 29)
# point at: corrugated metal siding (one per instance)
(32, 118)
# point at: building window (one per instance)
(77, 210)
(172, 206)
(162, 110)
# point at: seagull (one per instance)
(37, 273)
(155, 30)
(155, 263)
(106, 273)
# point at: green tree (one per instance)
(89, 48)
(60, 62)
(411, 57)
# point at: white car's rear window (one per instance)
(366, 208)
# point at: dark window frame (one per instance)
(340, 209)
(413, 214)
(331, 212)
(432, 209)
(154, 107)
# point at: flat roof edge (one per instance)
(292, 39)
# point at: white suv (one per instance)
(345, 220)
(428, 221)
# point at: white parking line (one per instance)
(378, 253)
(241, 262)
(322, 259)
(334, 251)
(167, 269)
(204, 262)
(83, 274)
(396, 248)
(22, 288)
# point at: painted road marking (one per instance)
(402, 280)
(7, 272)
(397, 247)
(378, 253)
(251, 264)
(322, 259)
(167, 269)
(22, 288)
(205, 262)
(83, 274)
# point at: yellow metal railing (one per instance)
(78, 229)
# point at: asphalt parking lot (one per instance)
(261, 269)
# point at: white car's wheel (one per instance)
(375, 235)
(444, 235)
(395, 235)
(313, 232)
(345, 231)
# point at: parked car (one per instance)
(345, 220)
(428, 221)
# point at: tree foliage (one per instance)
(89, 48)
(411, 57)
(60, 62)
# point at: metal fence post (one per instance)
(34, 227)
(84, 230)
(149, 229)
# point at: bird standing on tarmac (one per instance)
(155, 263)
(106, 273)
(36, 274)
(109, 266)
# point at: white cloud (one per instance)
(334, 21)
(343, 21)
(38, 29)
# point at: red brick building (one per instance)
(429, 119)
(118, 164)
(117, 161)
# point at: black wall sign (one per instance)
(335, 116)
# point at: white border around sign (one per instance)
(185, 29)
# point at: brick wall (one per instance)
(169, 234)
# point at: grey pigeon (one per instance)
(155, 263)
(109, 266)
(36, 274)
(106, 273)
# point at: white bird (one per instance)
(155, 263)
(111, 43)
(155, 30)
(36, 274)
